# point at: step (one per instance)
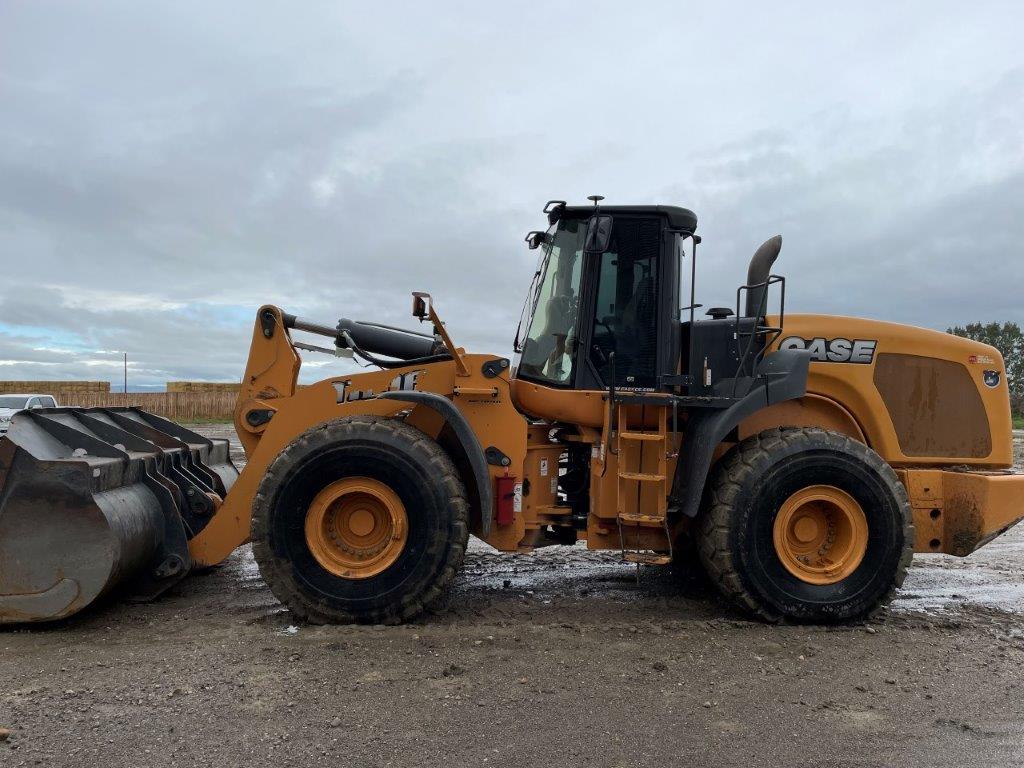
(641, 477)
(646, 558)
(651, 521)
(640, 436)
(646, 398)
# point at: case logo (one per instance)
(834, 350)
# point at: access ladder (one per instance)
(642, 482)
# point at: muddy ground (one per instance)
(558, 658)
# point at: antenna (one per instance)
(596, 199)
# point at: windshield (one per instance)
(12, 401)
(549, 352)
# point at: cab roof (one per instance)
(678, 218)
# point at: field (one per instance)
(557, 658)
(179, 406)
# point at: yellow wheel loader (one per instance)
(803, 458)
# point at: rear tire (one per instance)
(411, 473)
(742, 538)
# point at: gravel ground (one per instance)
(556, 658)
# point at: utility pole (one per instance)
(126, 378)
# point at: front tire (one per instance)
(362, 519)
(806, 525)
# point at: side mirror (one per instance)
(535, 239)
(554, 209)
(419, 306)
(599, 234)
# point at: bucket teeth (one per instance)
(97, 498)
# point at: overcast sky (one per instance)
(165, 168)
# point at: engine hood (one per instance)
(919, 396)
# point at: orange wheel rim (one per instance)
(356, 527)
(821, 534)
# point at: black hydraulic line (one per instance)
(391, 343)
(372, 338)
(350, 343)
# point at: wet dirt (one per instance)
(558, 658)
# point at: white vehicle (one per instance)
(11, 404)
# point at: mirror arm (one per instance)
(424, 301)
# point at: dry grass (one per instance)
(181, 406)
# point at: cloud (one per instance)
(879, 217)
(161, 178)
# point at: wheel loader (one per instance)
(802, 459)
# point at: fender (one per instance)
(467, 439)
(785, 374)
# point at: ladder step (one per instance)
(646, 558)
(653, 521)
(640, 436)
(641, 477)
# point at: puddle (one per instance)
(931, 590)
(548, 572)
(241, 565)
(992, 577)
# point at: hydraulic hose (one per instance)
(371, 339)
(351, 344)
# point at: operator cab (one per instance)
(605, 310)
(606, 302)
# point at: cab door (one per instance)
(632, 308)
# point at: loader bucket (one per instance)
(93, 499)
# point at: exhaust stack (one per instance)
(758, 271)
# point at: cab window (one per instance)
(626, 312)
(549, 352)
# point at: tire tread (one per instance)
(275, 570)
(743, 465)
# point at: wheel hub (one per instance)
(356, 527)
(820, 534)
